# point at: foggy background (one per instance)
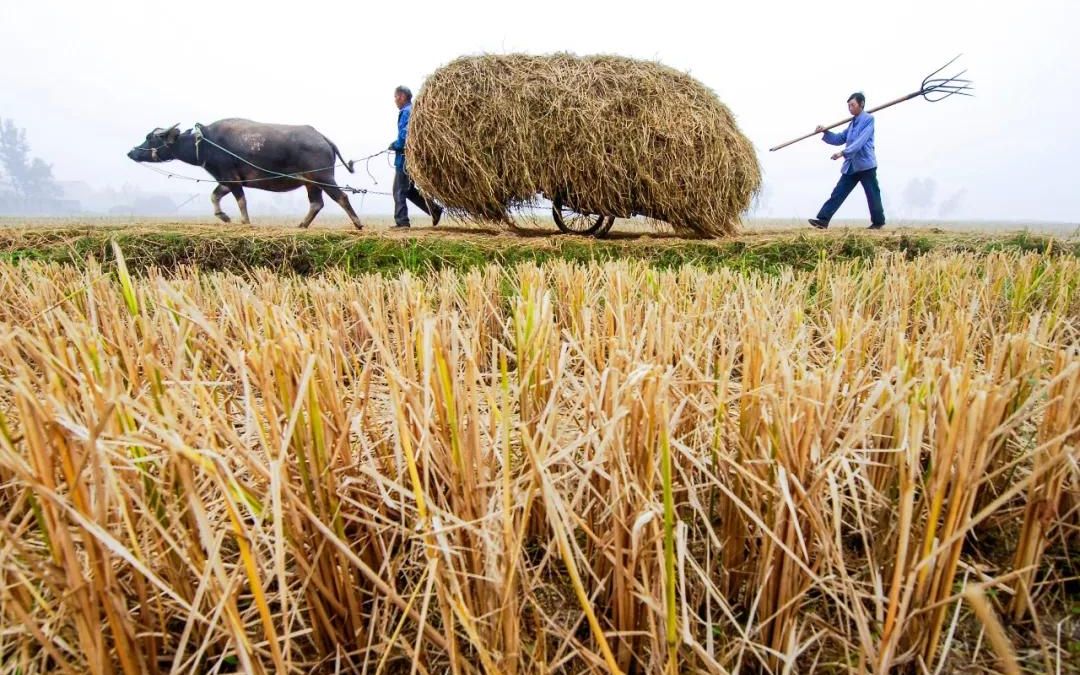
(87, 81)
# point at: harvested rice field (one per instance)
(260, 450)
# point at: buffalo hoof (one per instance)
(224, 217)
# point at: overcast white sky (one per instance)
(89, 79)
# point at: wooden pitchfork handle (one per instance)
(845, 121)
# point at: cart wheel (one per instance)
(570, 221)
(605, 228)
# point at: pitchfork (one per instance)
(933, 89)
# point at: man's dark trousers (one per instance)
(404, 188)
(843, 188)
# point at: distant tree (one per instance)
(40, 181)
(14, 151)
(952, 203)
(29, 178)
(919, 194)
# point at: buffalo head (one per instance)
(158, 146)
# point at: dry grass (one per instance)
(536, 224)
(541, 468)
(169, 245)
(611, 135)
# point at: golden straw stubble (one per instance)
(542, 468)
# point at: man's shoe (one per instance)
(819, 224)
(436, 217)
(876, 227)
(400, 226)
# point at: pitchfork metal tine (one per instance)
(931, 83)
(945, 90)
(935, 89)
(943, 67)
(942, 84)
(947, 79)
(947, 87)
(957, 77)
(936, 95)
(942, 97)
(941, 93)
(949, 84)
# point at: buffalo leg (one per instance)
(342, 199)
(315, 204)
(241, 201)
(215, 199)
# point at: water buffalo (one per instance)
(239, 153)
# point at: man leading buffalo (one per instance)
(404, 188)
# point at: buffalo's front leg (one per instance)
(339, 196)
(241, 201)
(215, 199)
(315, 204)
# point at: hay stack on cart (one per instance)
(599, 136)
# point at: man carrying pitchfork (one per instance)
(860, 165)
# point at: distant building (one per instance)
(12, 204)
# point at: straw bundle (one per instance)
(609, 135)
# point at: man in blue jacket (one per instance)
(404, 188)
(860, 165)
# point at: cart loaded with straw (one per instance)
(599, 137)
